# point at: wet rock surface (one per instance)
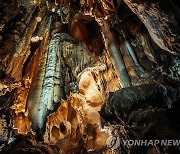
(148, 114)
(79, 72)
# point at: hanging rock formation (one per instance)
(83, 76)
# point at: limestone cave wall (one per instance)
(75, 73)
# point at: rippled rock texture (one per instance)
(73, 73)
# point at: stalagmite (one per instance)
(139, 69)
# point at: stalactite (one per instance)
(140, 70)
(72, 100)
(64, 54)
(160, 21)
(76, 55)
(113, 48)
(12, 66)
(103, 17)
(21, 120)
(41, 27)
(16, 34)
(128, 62)
(47, 86)
(147, 48)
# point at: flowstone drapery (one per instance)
(73, 74)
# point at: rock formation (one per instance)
(83, 76)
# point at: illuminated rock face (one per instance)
(51, 84)
(78, 114)
(89, 88)
(74, 72)
(77, 118)
(46, 89)
(75, 124)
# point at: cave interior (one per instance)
(84, 76)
